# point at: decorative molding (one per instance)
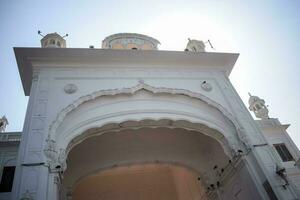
(35, 75)
(56, 180)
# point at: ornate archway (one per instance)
(141, 86)
(106, 113)
(107, 108)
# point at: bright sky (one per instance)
(265, 33)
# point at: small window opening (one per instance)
(52, 41)
(7, 179)
(283, 152)
(134, 48)
(58, 43)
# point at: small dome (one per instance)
(130, 41)
(53, 40)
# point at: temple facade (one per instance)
(128, 121)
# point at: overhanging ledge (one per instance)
(27, 58)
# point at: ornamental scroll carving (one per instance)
(56, 159)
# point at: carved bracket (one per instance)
(56, 160)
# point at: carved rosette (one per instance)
(56, 160)
(206, 86)
(70, 88)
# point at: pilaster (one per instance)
(32, 173)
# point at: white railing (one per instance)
(10, 137)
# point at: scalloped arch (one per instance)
(140, 86)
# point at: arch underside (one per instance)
(152, 124)
(129, 147)
(200, 157)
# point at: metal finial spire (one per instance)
(40, 33)
(211, 46)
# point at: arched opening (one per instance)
(181, 160)
(147, 125)
(145, 104)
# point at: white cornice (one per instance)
(28, 58)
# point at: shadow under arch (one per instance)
(145, 145)
(157, 175)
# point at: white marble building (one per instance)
(131, 122)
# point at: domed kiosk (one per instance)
(53, 40)
(130, 41)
